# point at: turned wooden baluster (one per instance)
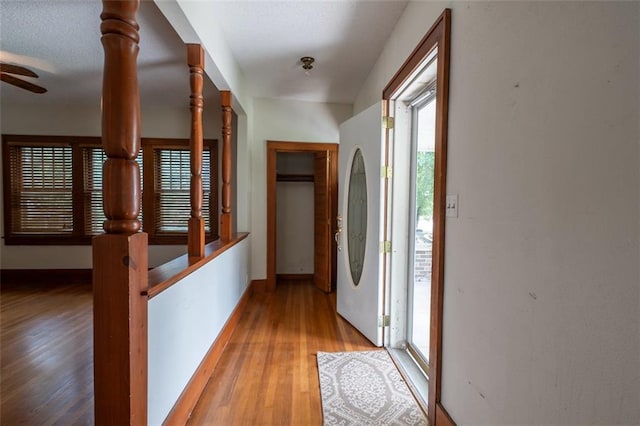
(196, 236)
(225, 219)
(120, 260)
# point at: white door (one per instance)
(360, 286)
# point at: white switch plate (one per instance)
(452, 205)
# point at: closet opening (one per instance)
(301, 210)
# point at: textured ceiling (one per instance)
(268, 38)
(60, 40)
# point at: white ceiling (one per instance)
(268, 38)
(60, 40)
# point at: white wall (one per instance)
(220, 64)
(294, 239)
(541, 302)
(192, 21)
(295, 216)
(37, 119)
(185, 320)
(283, 120)
(259, 120)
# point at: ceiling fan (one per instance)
(6, 71)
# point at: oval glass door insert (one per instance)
(357, 216)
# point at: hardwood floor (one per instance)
(267, 374)
(46, 355)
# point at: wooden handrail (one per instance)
(170, 273)
(196, 237)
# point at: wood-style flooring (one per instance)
(266, 375)
(46, 355)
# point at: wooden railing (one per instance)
(195, 59)
(120, 256)
(226, 228)
(170, 273)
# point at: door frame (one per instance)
(273, 148)
(438, 35)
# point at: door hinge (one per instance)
(384, 321)
(386, 172)
(388, 122)
(385, 247)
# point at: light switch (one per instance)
(452, 205)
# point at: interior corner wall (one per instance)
(86, 121)
(283, 120)
(542, 284)
(197, 19)
(192, 21)
(243, 172)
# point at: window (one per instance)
(168, 173)
(41, 189)
(92, 159)
(53, 189)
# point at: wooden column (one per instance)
(196, 238)
(225, 219)
(120, 255)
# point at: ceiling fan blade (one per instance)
(21, 83)
(17, 69)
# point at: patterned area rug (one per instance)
(365, 388)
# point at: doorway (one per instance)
(400, 304)
(417, 100)
(322, 175)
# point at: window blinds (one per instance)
(172, 176)
(93, 159)
(41, 189)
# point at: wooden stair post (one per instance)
(120, 259)
(226, 228)
(196, 237)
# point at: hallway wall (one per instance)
(184, 322)
(542, 283)
(283, 120)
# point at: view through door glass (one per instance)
(417, 97)
(423, 159)
(357, 217)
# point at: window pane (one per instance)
(172, 190)
(93, 159)
(357, 217)
(41, 190)
(424, 177)
(206, 189)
